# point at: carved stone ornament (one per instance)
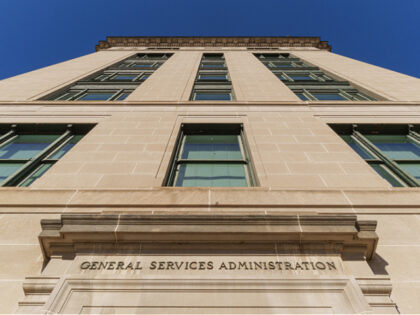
(234, 41)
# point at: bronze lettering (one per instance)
(120, 265)
(232, 265)
(271, 265)
(279, 263)
(210, 265)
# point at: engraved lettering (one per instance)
(320, 265)
(130, 265)
(288, 266)
(242, 265)
(94, 265)
(331, 266)
(161, 265)
(138, 266)
(85, 265)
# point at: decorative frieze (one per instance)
(234, 41)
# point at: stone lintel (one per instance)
(326, 234)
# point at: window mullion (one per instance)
(30, 165)
(413, 134)
(9, 135)
(388, 162)
(76, 96)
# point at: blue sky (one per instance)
(38, 33)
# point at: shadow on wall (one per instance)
(378, 265)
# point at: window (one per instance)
(75, 94)
(327, 94)
(27, 150)
(393, 151)
(211, 155)
(212, 95)
(114, 83)
(310, 83)
(212, 82)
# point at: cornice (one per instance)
(336, 234)
(211, 41)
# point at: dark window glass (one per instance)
(122, 96)
(26, 154)
(296, 77)
(213, 65)
(391, 150)
(413, 169)
(215, 77)
(58, 154)
(7, 169)
(141, 65)
(96, 96)
(397, 147)
(67, 96)
(212, 147)
(281, 65)
(124, 77)
(26, 146)
(328, 96)
(35, 175)
(211, 160)
(302, 96)
(385, 173)
(203, 96)
(211, 175)
(356, 147)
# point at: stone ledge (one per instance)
(333, 234)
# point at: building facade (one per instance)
(210, 175)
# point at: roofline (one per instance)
(212, 41)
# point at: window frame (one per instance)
(216, 128)
(321, 83)
(390, 166)
(101, 81)
(212, 86)
(32, 165)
